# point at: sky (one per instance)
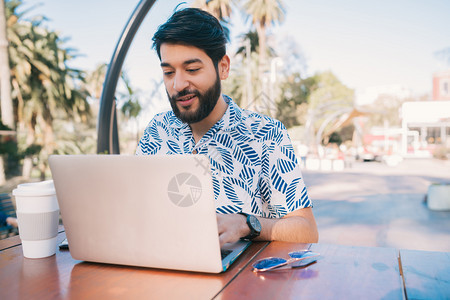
(366, 44)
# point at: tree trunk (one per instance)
(20, 106)
(261, 30)
(27, 167)
(6, 105)
(31, 137)
(2, 171)
(49, 141)
(249, 99)
(5, 76)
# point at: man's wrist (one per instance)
(253, 225)
(245, 230)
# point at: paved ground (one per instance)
(372, 204)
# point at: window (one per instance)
(445, 87)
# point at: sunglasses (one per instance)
(269, 263)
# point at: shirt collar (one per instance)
(231, 118)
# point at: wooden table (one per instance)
(426, 274)
(342, 272)
(59, 277)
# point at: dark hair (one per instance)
(193, 27)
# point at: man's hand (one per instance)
(12, 221)
(231, 228)
(298, 226)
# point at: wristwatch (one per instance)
(253, 224)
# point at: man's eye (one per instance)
(193, 70)
(167, 73)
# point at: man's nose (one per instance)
(180, 82)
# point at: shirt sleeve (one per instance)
(151, 141)
(283, 188)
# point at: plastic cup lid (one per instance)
(42, 188)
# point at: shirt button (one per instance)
(194, 151)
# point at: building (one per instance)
(425, 124)
(441, 85)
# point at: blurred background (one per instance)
(363, 88)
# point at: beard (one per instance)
(207, 102)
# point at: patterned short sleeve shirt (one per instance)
(253, 165)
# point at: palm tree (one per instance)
(246, 71)
(6, 105)
(131, 107)
(43, 84)
(7, 115)
(221, 9)
(58, 90)
(252, 37)
(263, 14)
(95, 80)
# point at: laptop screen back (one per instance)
(149, 211)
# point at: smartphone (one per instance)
(64, 244)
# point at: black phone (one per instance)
(64, 244)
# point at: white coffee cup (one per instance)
(38, 218)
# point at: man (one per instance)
(258, 188)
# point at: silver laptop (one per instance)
(150, 211)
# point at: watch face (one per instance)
(255, 223)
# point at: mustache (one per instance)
(184, 93)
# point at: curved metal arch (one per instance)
(107, 133)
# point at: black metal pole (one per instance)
(107, 133)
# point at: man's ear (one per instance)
(224, 67)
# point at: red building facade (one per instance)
(441, 85)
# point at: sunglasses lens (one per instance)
(301, 254)
(268, 262)
(307, 258)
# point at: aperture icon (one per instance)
(184, 189)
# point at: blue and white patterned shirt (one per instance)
(253, 165)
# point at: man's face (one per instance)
(191, 80)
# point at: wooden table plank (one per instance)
(60, 276)
(343, 272)
(426, 274)
(10, 242)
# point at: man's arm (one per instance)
(297, 226)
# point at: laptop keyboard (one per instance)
(224, 253)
